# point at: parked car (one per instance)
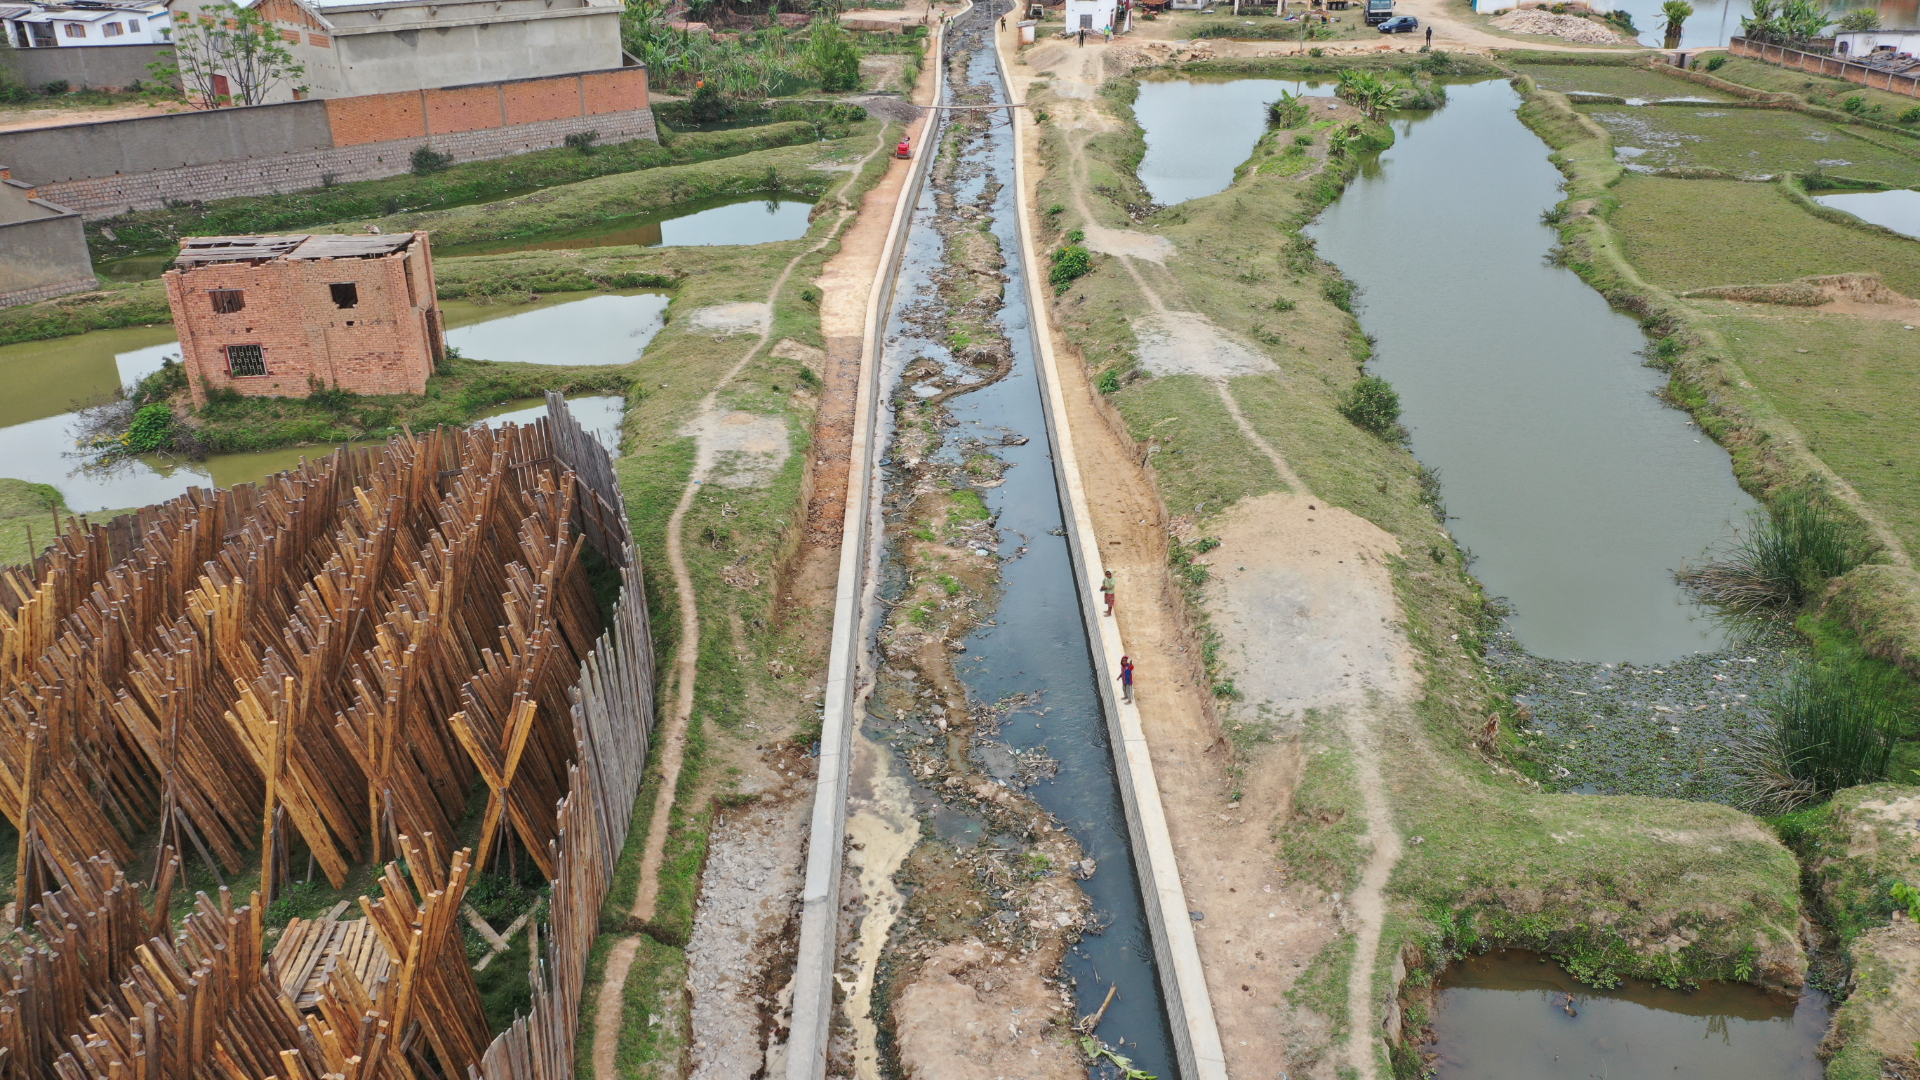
(1400, 24)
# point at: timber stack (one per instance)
(325, 663)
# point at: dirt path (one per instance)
(670, 737)
(1304, 595)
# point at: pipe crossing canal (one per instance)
(990, 890)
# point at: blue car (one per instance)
(1400, 24)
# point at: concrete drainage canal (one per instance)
(989, 865)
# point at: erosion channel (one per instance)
(989, 845)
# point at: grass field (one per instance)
(1620, 80)
(1753, 143)
(1815, 88)
(1690, 234)
(1851, 385)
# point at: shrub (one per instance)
(426, 160)
(1373, 405)
(1108, 382)
(1785, 558)
(582, 141)
(56, 88)
(1911, 116)
(1834, 726)
(1070, 263)
(1339, 291)
(1854, 104)
(152, 429)
(13, 93)
(1716, 61)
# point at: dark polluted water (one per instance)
(1576, 490)
(1034, 643)
(1504, 1016)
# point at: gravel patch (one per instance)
(1565, 27)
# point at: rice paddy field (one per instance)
(1752, 143)
(1691, 234)
(1619, 80)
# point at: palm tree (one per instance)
(1366, 91)
(1676, 12)
(1803, 20)
(1763, 24)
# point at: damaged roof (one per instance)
(202, 250)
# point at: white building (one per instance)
(1094, 16)
(85, 22)
(1861, 44)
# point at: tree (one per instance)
(1676, 12)
(1859, 19)
(226, 55)
(1366, 91)
(832, 58)
(1803, 20)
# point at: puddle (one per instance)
(733, 219)
(604, 328)
(1501, 1016)
(1575, 489)
(1898, 210)
(1186, 160)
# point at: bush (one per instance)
(1785, 559)
(426, 160)
(1070, 263)
(13, 93)
(1911, 116)
(56, 88)
(1716, 61)
(1338, 291)
(1855, 104)
(1108, 382)
(152, 429)
(1373, 405)
(582, 141)
(1834, 727)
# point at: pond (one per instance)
(1898, 210)
(1504, 1015)
(1186, 160)
(733, 219)
(603, 328)
(1575, 489)
(1715, 21)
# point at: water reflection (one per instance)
(740, 219)
(606, 328)
(1187, 160)
(1575, 488)
(1898, 210)
(1505, 1015)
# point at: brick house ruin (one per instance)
(283, 316)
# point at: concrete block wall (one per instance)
(1827, 65)
(273, 149)
(102, 67)
(384, 344)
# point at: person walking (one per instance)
(1106, 590)
(1108, 31)
(1126, 679)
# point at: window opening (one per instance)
(227, 301)
(246, 360)
(346, 294)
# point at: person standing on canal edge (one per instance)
(1429, 36)
(1126, 679)
(1106, 590)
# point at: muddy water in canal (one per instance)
(1575, 489)
(1505, 1016)
(48, 382)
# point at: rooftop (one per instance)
(202, 250)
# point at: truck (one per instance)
(1379, 11)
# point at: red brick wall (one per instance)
(542, 99)
(375, 118)
(615, 91)
(465, 109)
(380, 346)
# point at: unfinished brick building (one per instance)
(283, 316)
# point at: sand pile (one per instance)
(1567, 27)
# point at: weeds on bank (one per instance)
(1783, 559)
(1834, 727)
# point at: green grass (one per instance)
(113, 305)
(471, 182)
(1816, 89)
(1616, 79)
(1685, 234)
(1752, 143)
(1851, 386)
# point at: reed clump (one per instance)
(1834, 727)
(1783, 559)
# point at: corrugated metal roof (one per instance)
(201, 250)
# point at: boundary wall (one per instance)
(99, 67)
(144, 163)
(1831, 66)
(1183, 982)
(818, 955)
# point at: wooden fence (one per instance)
(369, 633)
(1833, 66)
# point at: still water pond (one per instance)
(1898, 210)
(1186, 160)
(609, 328)
(740, 219)
(1578, 492)
(1503, 1016)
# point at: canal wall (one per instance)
(818, 952)
(144, 163)
(1196, 1036)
